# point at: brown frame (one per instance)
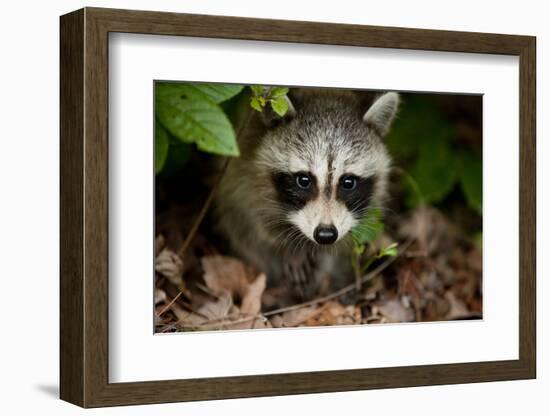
(84, 213)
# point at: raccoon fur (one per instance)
(303, 181)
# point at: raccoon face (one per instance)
(322, 207)
(328, 165)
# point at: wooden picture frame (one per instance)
(84, 207)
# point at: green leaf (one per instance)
(471, 180)
(278, 92)
(197, 121)
(435, 171)
(389, 251)
(358, 249)
(421, 140)
(280, 106)
(369, 228)
(161, 146)
(257, 89)
(178, 155)
(217, 93)
(256, 104)
(419, 122)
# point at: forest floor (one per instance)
(435, 276)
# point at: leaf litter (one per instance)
(438, 277)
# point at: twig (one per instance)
(207, 290)
(208, 202)
(333, 295)
(170, 304)
(346, 289)
(213, 191)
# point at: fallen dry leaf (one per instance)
(237, 297)
(160, 296)
(296, 317)
(170, 265)
(211, 314)
(251, 303)
(226, 274)
(394, 311)
(229, 276)
(218, 310)
(438, 278)
(430, 228)
(458, 309)
(334, 313)
(182, 314)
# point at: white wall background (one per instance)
(29, 158)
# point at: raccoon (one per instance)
(303, 181)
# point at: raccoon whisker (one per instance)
(286, 233)
(280, 226)
(366, 228)
(269, 214)
(292, 243)
(291, 240)
(366, 223)
(364, 215)
(291, 237)
(366, 210)
(383, 208)
(270, 208)
(273, 212)
(296, 241)
(300, 242)
(273, 223)
(305, 245)
(347, 243)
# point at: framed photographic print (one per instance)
(257, 207)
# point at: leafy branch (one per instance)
(365, 233)
(192, 114)
(436, 154)
(275, 96)
(371, 227)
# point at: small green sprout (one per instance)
(276, 96)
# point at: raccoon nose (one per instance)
(325, 234)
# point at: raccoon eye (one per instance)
(349, 182)
(303, 180)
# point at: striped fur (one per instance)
(270, 220)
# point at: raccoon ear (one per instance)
(272, 119)
(382, 112)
